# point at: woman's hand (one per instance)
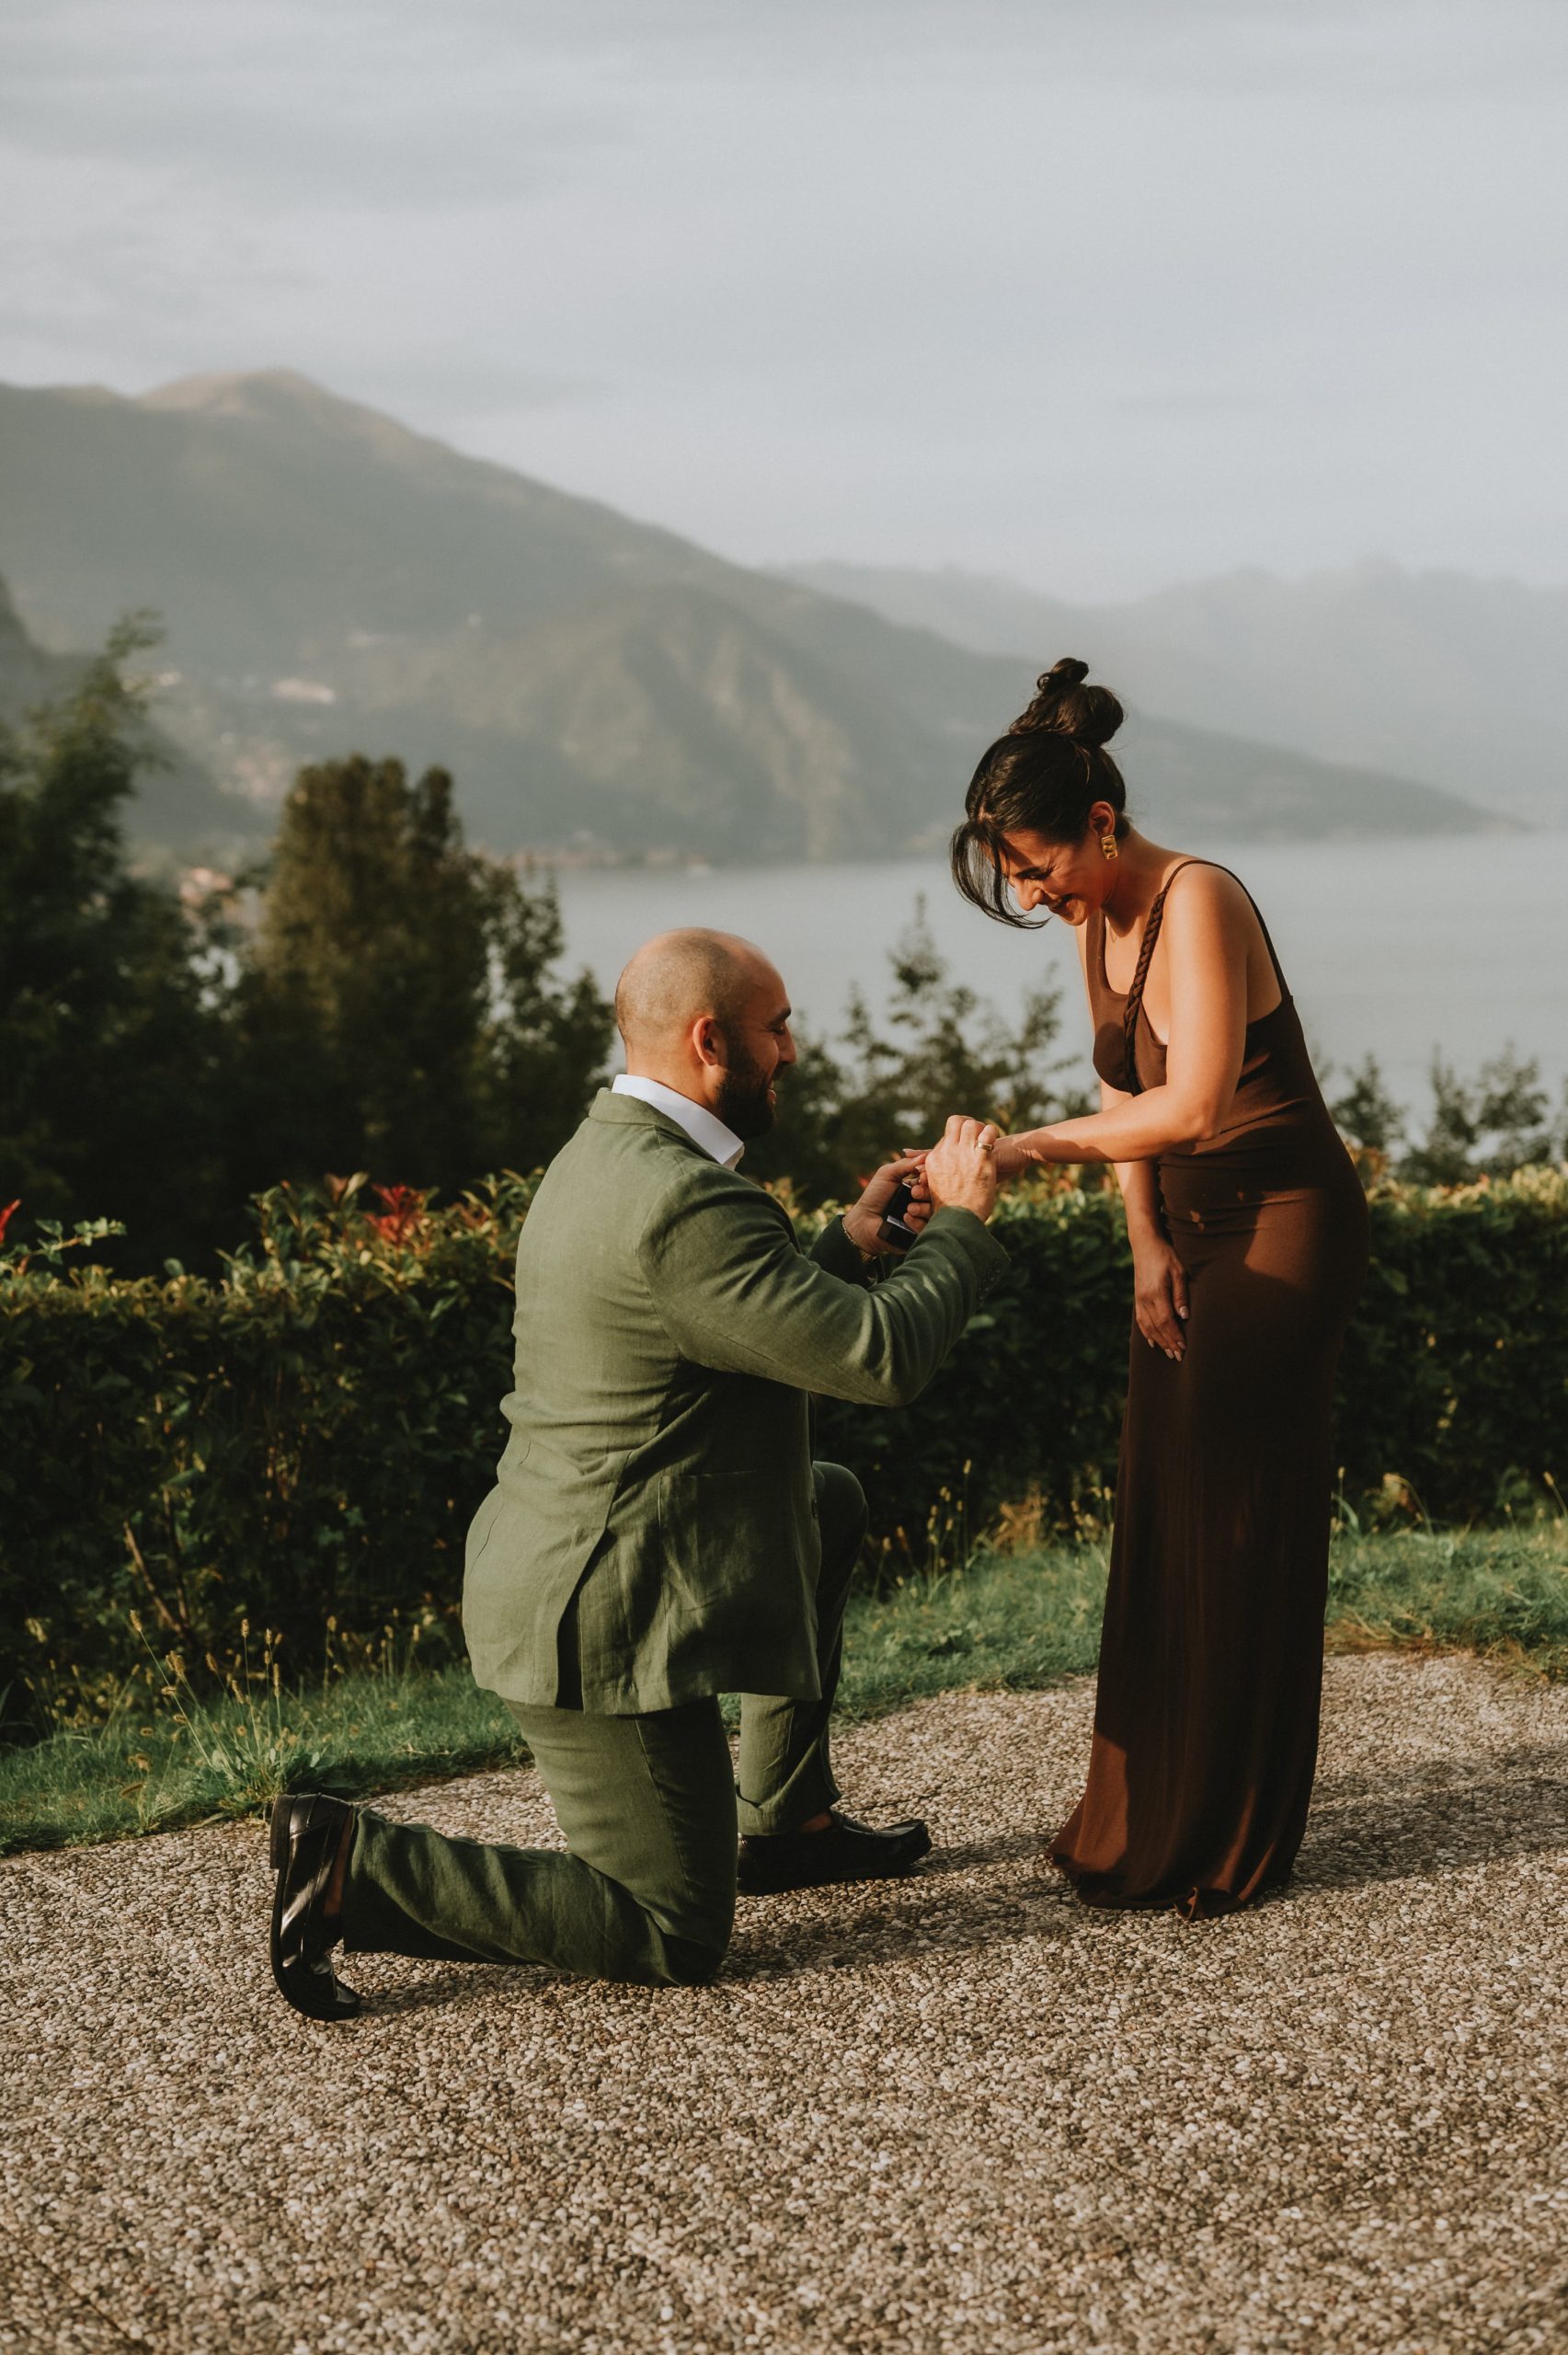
(1012, 1157)
(1159, 1296)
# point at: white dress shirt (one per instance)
(704, 1128)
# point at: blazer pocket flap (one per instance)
(715, 1528)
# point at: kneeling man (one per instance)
(658, 1534)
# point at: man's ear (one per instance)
(708, 1041)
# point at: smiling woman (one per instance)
(1248, 1228)
(1027, 817)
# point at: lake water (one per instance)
(1395, 949)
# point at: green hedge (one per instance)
(306, 1441)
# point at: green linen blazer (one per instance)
(651, 1536)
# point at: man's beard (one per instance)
(743, 1102)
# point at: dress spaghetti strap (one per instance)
(1147, 946)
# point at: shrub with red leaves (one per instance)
(404, 1207)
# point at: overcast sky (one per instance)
(1102, 293)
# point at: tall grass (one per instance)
(168, 1755)
(1005, 1619)
(1500, 1593)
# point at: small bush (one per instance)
(306, 1440)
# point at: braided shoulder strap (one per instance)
(1135, 995)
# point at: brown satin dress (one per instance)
(1205, 1718)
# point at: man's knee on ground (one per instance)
(694, 1963)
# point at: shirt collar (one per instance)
(704, 1128)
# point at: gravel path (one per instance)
(958, 2113)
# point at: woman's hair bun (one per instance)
(1068, 707)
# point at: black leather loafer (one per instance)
(307, 1836)
(844, 1850)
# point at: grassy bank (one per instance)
(1012, 1620)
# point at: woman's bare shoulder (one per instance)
(1203, 891)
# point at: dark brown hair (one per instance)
(1044, 775)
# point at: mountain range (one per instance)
(331, 581)
(1434, 674)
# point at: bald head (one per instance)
(675, 980)
(707, 1014)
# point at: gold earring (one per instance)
(1109, 848)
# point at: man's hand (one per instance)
(863, 1223)
(960, 1172)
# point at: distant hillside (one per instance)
(1434, 674)
(332, 581)
(177, 803)
(28, 675)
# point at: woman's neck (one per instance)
(1140, 869)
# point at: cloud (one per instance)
(386, 109)
(1181, 406)
(475, 387)
(1094, 291)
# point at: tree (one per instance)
(542, 1046)
(398, 1010)
(112, 1016)
(1366, 1113)
(1486, 1127)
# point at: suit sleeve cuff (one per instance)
(974, 1238)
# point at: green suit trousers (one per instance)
(651, 1812)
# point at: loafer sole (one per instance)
(313, 1989)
